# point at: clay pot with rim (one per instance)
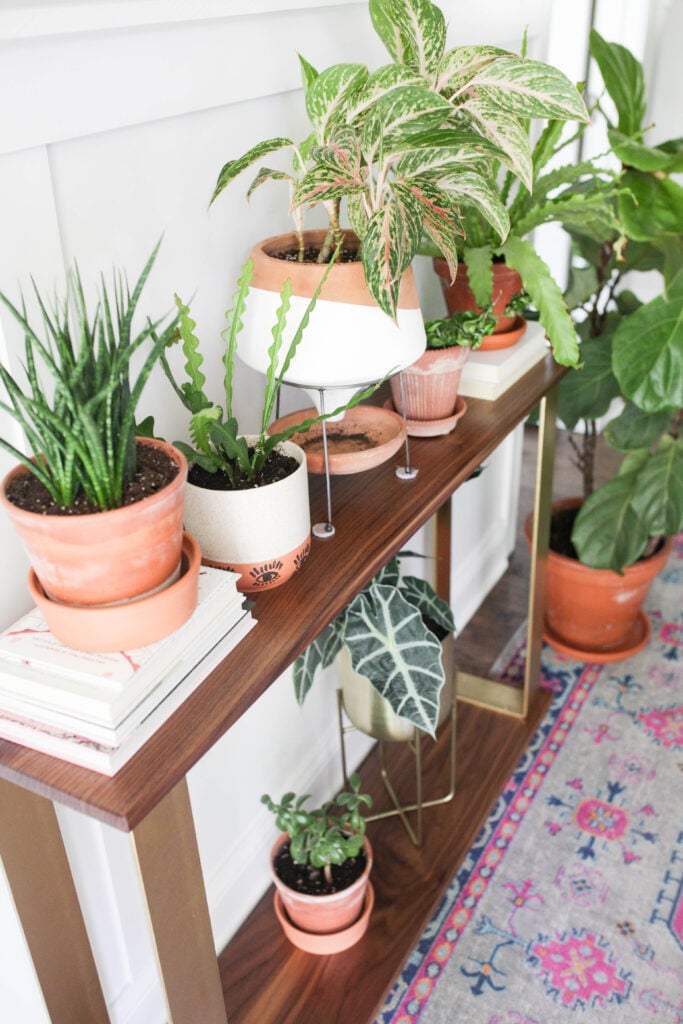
(349, 342)
(458, 295)
(263, 533)
(596, 614)
(430, 385)
(327, 923)
(104, 557)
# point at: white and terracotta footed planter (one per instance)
(349, 341)
(263, 533)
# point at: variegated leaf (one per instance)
(323, 183)
(308, 73)
(357, 214)
(404, 111)
(481, 193)
(235, 167)
(319, 654)
(388, 31)
(391, 240)
(329, 93)
(267, 174)
(461, 64)
(421, 28)
(419, 593)
(379, 84)
(506, 132)
(391, 647)
(444, 148)
(441, 215)
(341, 154)
(529, 88)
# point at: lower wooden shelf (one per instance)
(267, 981)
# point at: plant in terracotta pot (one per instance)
(321, 865)
(611, 542)
(247, 495)
(405, 146)
(428, 390)
(392, 635)
(99, 511)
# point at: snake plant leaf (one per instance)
(644, 158)
(329, 92)
(414, 32)
(648, 351)
(650, 206)
(529, 88)
(608, 532)
(462, 63)
(319, 654)
(633, 428)
(441, 217)
(624, 80)
(658, 499)
(391, 240)
(232, 168)
(379, 84)
(390, 645)
(506, 131)
(430, 606)
(546, 297)
(588, 393)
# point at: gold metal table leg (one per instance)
(166, 850)
(45, 897)
(490, 693)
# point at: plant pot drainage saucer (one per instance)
(334, 942)
(127, 624)
(433, 428)
(493, 342)
(364, 438)
(638, 638)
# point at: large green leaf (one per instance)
(547, 298)
(232, 168)
(480, 273)
(641, 157)
(319, 654)
(608, 532)
(430, 606)
(390, 645)
(329, 92)
(659, 497)
(624, 81)
(414, 32)
(650, 206)
(633, 428)
(587, 393)
(648, 352)
(391, 240)
(529, 88)
(461, 64)
(505, 130)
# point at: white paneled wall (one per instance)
(116, 117)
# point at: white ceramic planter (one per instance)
(264, 533)
(348, 342)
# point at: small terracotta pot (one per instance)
(459, 297)
(430, 386)
(106, 556)
(263, 533)
(595, 613)
(323, 915)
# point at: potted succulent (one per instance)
(391, 635)
(321, 865)
(613, 547)
(247, 496)
(428, 390)
(406, 145)
(99, 510)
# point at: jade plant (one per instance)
(631, 350)
(319, 836)
(218, 446)
(392, 630)
(408, 144)
(77, 408)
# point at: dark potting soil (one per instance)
(155, 469)
(307, 879)
(561, 526)
(311, 255)
(278, 466)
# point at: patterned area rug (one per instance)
(569, 905)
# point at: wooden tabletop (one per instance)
(374, 514)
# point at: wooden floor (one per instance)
(266, 980)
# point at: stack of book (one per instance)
(97, 710)
(489, 374)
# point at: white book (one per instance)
(488, 375)
(36, 668)
(106, 758)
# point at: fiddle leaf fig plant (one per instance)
(631, 350)
(410, 144)
(390, 630)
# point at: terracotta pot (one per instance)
(459, 297)
(106, 556)
(372, 713)
(263, 533)
(595, 614)
(430, 385)
(349, 340)
(323, 915)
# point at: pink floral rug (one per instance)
(569, 906)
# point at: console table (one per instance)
(375, 514)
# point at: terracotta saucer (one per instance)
(127, 624)
(324, 945)
(638, 638)
(493, 342)
(433, 428)
(366, 436)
